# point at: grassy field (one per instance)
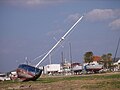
(106, 81)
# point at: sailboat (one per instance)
(27, 72)
(77, 68)
(93, 66)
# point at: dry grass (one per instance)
(109, 81)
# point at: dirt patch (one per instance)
(88, 82)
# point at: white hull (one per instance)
(94, 66)
(77, 68)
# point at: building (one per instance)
(52, 69)
(96, 58)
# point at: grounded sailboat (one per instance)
(77, 68)
(93, 66)
(27, 72)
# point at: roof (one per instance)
(96, 58)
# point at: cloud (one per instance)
(32, 2)
(55, 32)
(41, 2)
(73, 17)
(115, 25)
(70, 19)
(112, 16)
(102, 14)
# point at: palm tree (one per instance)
(109, 56)
(107, 60)
(88, 57)
(104, 58)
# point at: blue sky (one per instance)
(28, 29)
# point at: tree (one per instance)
(88, 57)
(104, 58)
(109, 56)
(107, 60)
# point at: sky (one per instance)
(29, 28)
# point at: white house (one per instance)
(52, 68)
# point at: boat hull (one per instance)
(77, 68)
(93, 68)
(27, 72)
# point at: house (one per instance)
(96, 58)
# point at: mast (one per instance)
(117, 49)
(62, 58)
(61, 39)
(70, 56)
(50, 58)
